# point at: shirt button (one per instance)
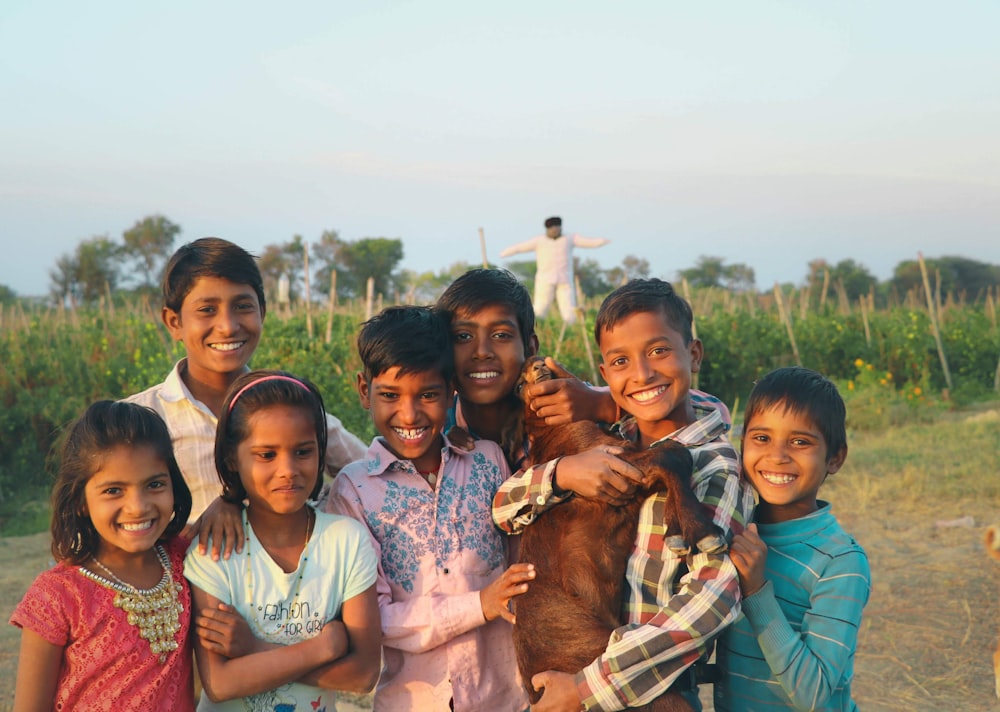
(539, 499)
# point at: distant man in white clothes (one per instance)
(554, 267)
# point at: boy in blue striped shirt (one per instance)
(804, 580)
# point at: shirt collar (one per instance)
(380, 460)
(707, 426)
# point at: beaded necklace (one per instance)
(154, 611)
(276, 634)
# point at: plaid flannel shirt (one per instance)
(675, 607)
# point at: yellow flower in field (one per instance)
(917, 391)
(882, 381)
(859, 363)
(850, 385)
(870, 367)
(888, 375)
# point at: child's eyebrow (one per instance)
(213, 299)
(471, 322)
(102, 483)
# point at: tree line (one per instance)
(101, 266)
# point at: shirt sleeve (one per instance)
(581, 241)
(642, 660)
(525, 495)
(43, 610)
(526, 246)
(342, 446)
(810, 665)
(420, 623)
(208, 575)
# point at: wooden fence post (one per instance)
(331, 304)
(787, 322)
(482, 247)
(308, 297)
(931, 307)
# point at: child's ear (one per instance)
(532, 345)
(837, 461)
(362, 386)
(171, 320)
(697, 354)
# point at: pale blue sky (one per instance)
(768, 133)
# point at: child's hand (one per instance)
(222, 630)
(749, 553)
(224, 522)
(599, 474)
(495, 598)
(567, 399)
(335, 639)
(561, 694)
(460, 438)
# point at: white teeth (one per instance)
(137, 527)
(228, 347)
(643, 396)
(483, 375)
(777, 478)
(409, 433)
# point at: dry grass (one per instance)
(932, 624)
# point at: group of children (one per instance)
(397, 573)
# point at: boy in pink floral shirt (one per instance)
(443, 577)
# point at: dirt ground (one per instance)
(928, 632)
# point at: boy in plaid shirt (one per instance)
(675, 606)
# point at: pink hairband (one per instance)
(261, 380)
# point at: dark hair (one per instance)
(644, 295)
(554, 221)
(104, 426)
(410, 338)
(804, 392)
(248, 394)
(480, 288)
(209, 257)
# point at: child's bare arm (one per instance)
(358, 670)
(37, 673)
(228, 678)
(223, 630)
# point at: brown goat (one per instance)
(580, 549)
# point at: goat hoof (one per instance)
(712, 544)
(677, 545)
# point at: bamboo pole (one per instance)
(331, 304)
(583, 327)
(826, 285)
(369, 297)
(482, 248)
(308, 297)
(787, 322)
(686, 289)
(863, 300)
(934, 319)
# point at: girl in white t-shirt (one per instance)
(305, 582)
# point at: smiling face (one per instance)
(409, 412)
(130, 502)
(220, 323)
(648, 368)
(278, 461)
(489, 354)
(785, 458)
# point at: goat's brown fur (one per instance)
(580, 549)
